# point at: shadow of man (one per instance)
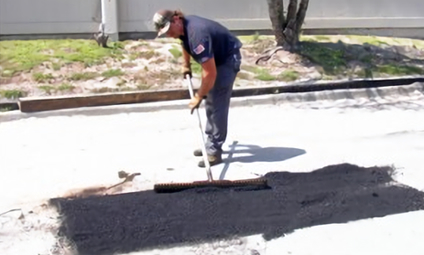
(255, 153)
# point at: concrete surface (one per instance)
(45, 155)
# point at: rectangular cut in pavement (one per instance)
(145, 220)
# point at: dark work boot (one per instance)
(198, 152)
(213, 160)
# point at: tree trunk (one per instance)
(287, 30)
(301, 14)
(276, 15)
(291, 12)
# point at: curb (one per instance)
(411, 91)
(63, 102)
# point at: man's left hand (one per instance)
(195, 102)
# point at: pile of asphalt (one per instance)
(144, 220)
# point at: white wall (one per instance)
(49, 16)
(20, 17)
(135, 15)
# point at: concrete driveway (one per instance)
(46, 155)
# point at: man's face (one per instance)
(176, 29)
(172, 31)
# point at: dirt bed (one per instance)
(74, 67)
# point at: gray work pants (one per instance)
(217, 104)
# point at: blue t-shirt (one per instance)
(204, 38)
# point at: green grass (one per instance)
(5, 109)
(334, 60)
(47, 88)
(143, 87)
(289, 75)
(176, 52)
(108, 90)
(123, 88)
(260, 73)
(16, 56)
(196, 67)
(264, 75)
(320, 38)
(365, 72)
(393, 69)
(6, 73)
(373, 40)
(249, 68)
(121, 83)
(113, 73)
(363, 39)
(331, 60)
(12, 94)
(83, 76)
(243, 76)
(144, 54)
(40, 77)
(65, 87)
(56, 66)
(366, 58)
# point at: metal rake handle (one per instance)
(205, 156)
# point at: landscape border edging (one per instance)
(33, 104)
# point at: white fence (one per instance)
(59, 17)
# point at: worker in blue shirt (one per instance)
(218, 52)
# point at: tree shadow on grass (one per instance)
(363, 61)
(145, 220)
(348, 60)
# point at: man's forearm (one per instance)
(208, 81)
(209, 74)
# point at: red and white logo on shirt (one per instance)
(199, 49)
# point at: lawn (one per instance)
(52, 67)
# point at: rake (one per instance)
(256, 183)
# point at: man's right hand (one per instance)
(186, 70)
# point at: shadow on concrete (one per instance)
(374, 105)
(257, 153)
(261, 154)
(105, 225)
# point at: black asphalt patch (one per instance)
(145, 220)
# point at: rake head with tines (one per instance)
(251, 184)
